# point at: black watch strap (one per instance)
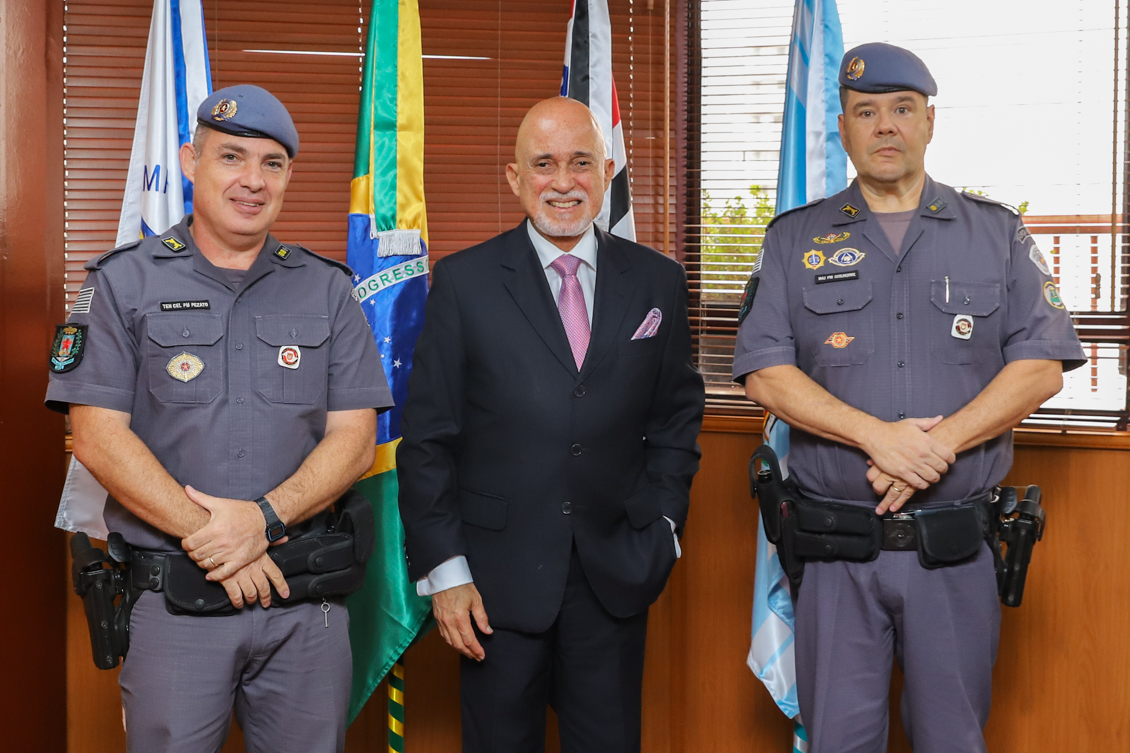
(275, 527)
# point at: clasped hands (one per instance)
(232, 547)
(903, 458)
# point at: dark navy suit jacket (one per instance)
(509, 454)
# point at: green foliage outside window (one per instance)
(731, 240)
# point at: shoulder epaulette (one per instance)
(332, 262)
(812, 203)
(987, 200)
(96, 262)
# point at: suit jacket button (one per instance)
(566, 507)
(576, 449)
(579, 390)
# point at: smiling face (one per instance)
(885, 135)
(560, 173)
(239, 184)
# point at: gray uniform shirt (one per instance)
(899, 335)
(242, 422)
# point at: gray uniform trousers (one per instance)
(287, 675)
(942, 625)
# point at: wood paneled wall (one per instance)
(31, 439)
(1062, 680)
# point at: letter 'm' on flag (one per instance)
(813, 166)
(588, 78)
(175, 80)
(388, 251)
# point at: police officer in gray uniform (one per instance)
(224, 388)
(902, 329)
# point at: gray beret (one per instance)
(251, 111)
(878, 68)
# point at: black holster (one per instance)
(776, 497)
(1020, 525)
(100, 581)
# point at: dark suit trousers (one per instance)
(588, 665)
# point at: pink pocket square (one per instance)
(649, 326)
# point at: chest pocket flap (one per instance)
(305, 330)
(175, 329)
(835, 298)
(973, 298)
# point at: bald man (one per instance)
(548, 451)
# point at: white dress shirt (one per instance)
(455, 571)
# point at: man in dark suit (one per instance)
(549, 442)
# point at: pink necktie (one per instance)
(571, 306)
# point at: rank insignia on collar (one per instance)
(936, 205)
(814, 259)
(962, 327)
(184, 367)
(68, 348)
(849, 210)
(290, 356)
(838, 340)
(833, 238)
(847, 257)
(1051, 295)
(282, 252)
(174, 244)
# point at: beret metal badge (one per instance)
(225, 109)
(855, 69)
(184, 367)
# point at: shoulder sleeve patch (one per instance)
(332, 262)
(96, 262)
(987, 200)
(790, 211)
(68, 348)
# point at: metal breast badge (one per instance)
(962, 327)
(184, 367)
(290, 356)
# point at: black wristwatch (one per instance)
(275, 527)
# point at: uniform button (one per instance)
(898, 315)
(239, 399)
(566, 507)
(294, 333)
(239, 346)
(901, 364)
(240, 454)
(186, 333)
(840, 302)
(898, 269)
(576, 449)
(579, 390)
(901, 415)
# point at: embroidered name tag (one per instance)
(837, 276)
(185, 305)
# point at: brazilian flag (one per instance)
(388, 251)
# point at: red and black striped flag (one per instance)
(588, 79)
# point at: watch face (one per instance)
(276, 531)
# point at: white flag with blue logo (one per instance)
(176, 79)
(813, 166)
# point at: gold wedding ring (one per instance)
(213, 562)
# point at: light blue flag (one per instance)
(813, 165)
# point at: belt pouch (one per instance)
(948, 535)
(833, 531)
(187, 591)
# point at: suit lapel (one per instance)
(614, 290)
(525, 280)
